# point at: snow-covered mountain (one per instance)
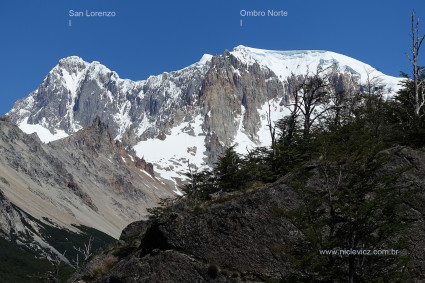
(189, 115)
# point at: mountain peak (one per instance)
(72, 64)
(243, 48)
(97, 134)
(205, 58)
(72, 58)
(285, 63)
(99, 126)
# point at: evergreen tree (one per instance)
(229, 171)
(229, 174)
(258, 165)
(200, 185)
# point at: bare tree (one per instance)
(192, 185)
(373, 84)
(272, 129)
(86, 251)
(343, 99)
(414, 49)
(306, 94)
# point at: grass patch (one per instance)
(100, 269)
(122, 252)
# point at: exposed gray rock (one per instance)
(237, 239)
(134, 230)
(165, 266)
(227, 95)
(75, 92)
(10, 218)
(87, 179)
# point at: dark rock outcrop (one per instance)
(166, 266)
(239, 238)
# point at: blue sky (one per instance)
(150, 37)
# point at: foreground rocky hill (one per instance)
(242, 235)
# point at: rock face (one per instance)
(81, 91)
(229, 98)
(241, 238)
(244, 236)
(86, 179)
(174, 118)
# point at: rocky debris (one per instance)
(27, 155)
(20, 229)
(79, 193)
(142, 164)
(96, 143)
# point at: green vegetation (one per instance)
(123, 251)
(98, 270)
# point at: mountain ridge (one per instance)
(217, 102)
